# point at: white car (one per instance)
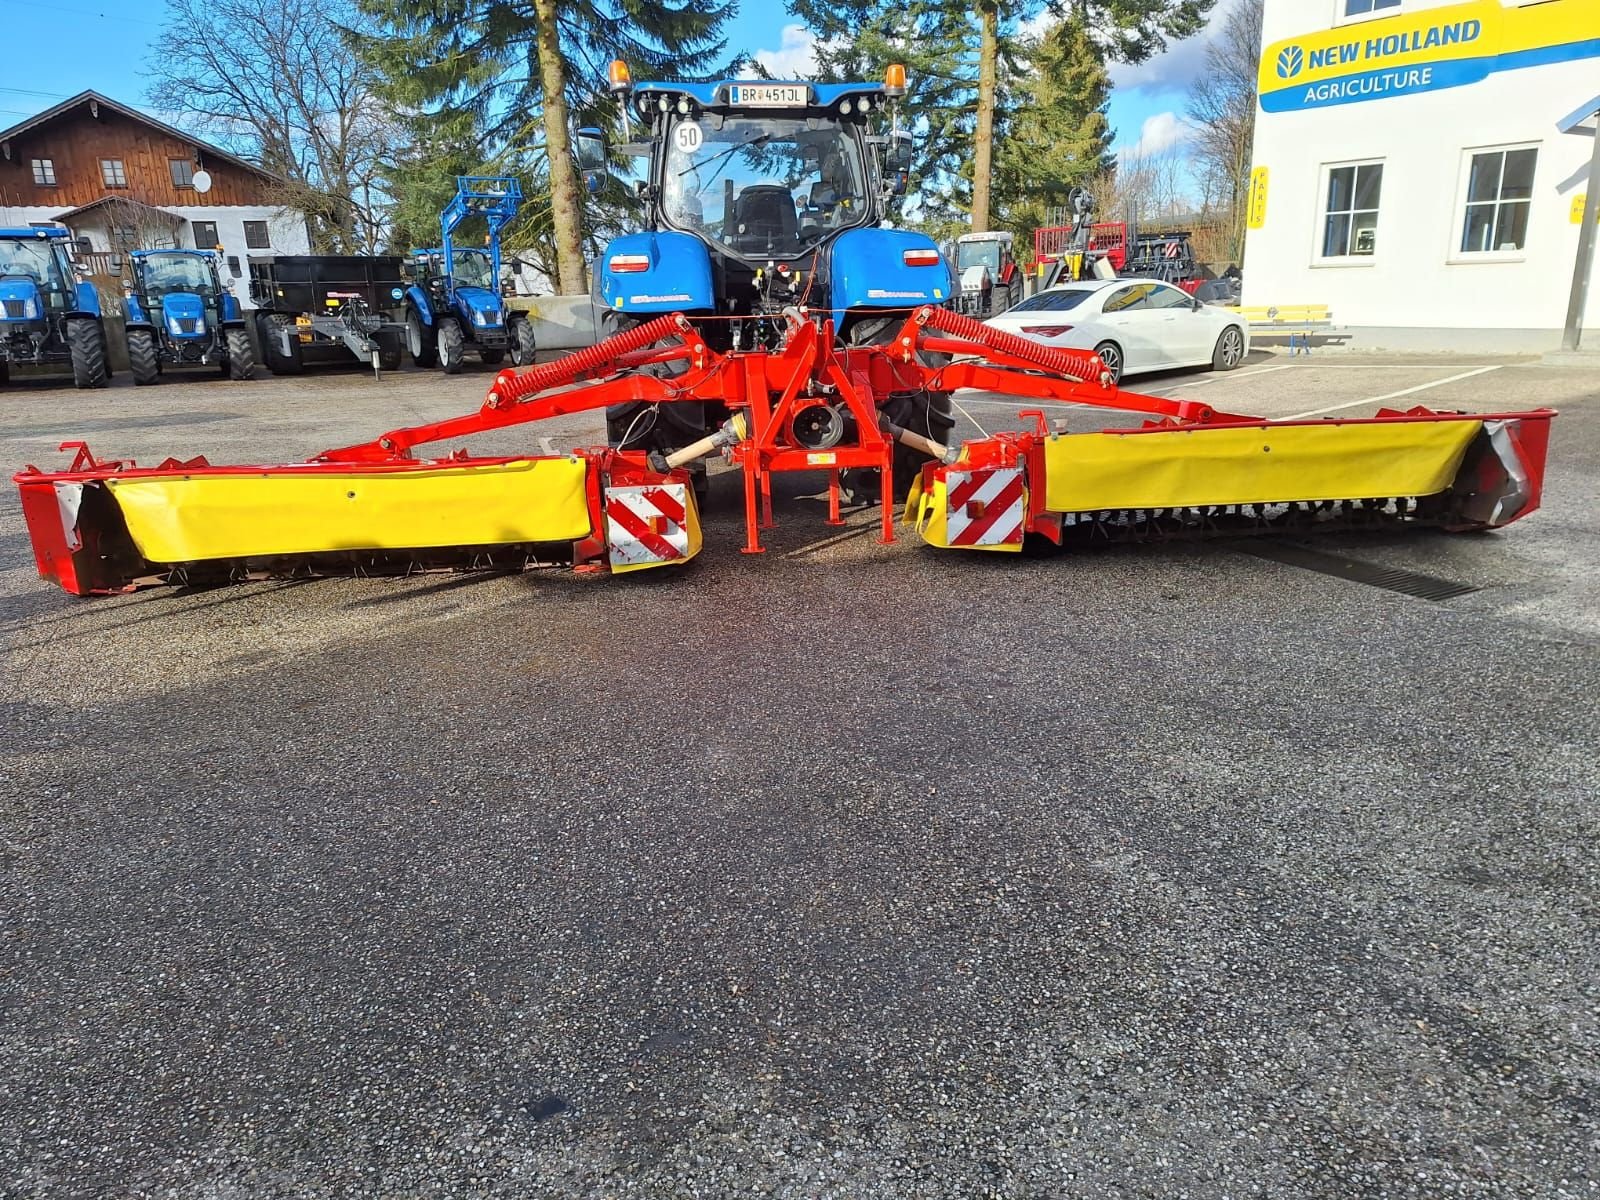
(1134, 324)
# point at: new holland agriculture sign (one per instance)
(1424, 52)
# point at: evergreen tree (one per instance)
(496, 81)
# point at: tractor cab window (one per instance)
(31, 260)
(978, 254)
(764, 187)
(167, 273)
(471, 268)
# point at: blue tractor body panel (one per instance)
(678, 278)
(480, 308)
(869, 271)
(185, 316)
(134, 314)
(88, 298)
(20, 301)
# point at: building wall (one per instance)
(1418, 275)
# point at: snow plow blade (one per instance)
(1455, 470)
(104, 526)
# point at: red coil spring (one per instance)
(517, 383)
(1078, 364)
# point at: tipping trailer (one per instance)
(798, 394)
(322, 308)
(49, 311)
(180, 314)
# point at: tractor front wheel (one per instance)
(419, 340)
(86, 343)
(5, 373)
(452, 346)
(241, 359)
(142, 359)
(522, 344)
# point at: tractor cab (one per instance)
(180, 314)
(49, 311)
(760, 197)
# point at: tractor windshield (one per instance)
(978, 254)
(764, 187)
(168, 273)
(32, 260)
(471, 268)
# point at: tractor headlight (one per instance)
(480, 318)
(173, 326)
(30, 309)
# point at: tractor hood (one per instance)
(486, 309)
(184, 314)
(20, 300)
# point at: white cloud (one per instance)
(1179, 65)
(1158, 134)
(795, 57)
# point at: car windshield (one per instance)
(764, 187)
(471, 268)
(978, 254)
(32, 259)
(167, 273)
(1056, 301)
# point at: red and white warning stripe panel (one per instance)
(985, 507)
(647, 525)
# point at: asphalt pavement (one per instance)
(844, 871)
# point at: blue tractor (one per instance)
(762, 198)
(180, 315)
(49, 313)
(455, 301)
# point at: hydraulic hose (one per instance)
(1083, 365)
(517, 383)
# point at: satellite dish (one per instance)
(202, 182)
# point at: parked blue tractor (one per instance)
(180, 315)
(49, 313)
(455, 301)
(760, 199)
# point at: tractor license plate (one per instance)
(770, 95)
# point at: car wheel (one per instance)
(1230, 349)
(1111, 355)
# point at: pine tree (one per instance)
(501, 78)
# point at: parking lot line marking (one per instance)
(547, 445)
(1257, 371)
(1421, 387)
(957, 405)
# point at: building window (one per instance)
(1360, 8)
(256, 237)
(44, 172)
(112, 174)
(1350, 220)
(182, 172)
(205, 235)
(1499, 197)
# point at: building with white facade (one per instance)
(1408, 169)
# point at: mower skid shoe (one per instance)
(1457, 470)
(108, 526)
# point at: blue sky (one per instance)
(107, 45)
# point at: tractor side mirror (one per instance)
(897, 162)
(115, 264)
(592, 157)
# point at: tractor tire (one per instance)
(241, 358)
(927, 413)
(491, 358)
(419, 340)
(269, 328)
(522, 343)
(1229, 352)
(86, 343)
(665, 427)
(5, 373)
(1111, 355)
(143, 362)
(452, 346)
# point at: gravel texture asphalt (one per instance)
(851, 870)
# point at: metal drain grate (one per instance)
(1394, 579)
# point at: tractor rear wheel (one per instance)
(927, 413)
(142, 360)
(241, 358)
(419, 340)
(86, 343)
(452, 346)
(270, 328)
(522, 343)
(5, 373)
(640, 426)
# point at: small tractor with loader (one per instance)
(717, 348)
(49, 310)
(455, 301)
(180, 314)
(991, 281)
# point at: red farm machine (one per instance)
(776, 383)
